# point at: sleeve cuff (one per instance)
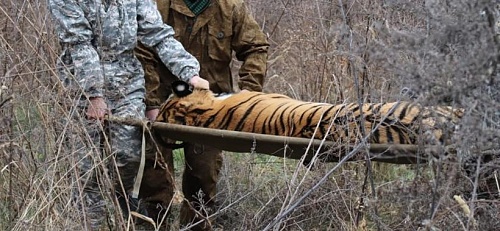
(187, 74)
(94, 93)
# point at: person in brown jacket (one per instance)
(211, 30)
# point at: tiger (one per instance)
(399, 122)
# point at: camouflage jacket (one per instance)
(99, 36)
(225, 26)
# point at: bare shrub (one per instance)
(433, 52)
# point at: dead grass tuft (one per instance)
(434, 52)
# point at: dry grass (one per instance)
(326, 51)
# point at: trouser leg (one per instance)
(199, 181)
(157, 188)
(83, 139)
(125, 147)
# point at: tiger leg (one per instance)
(199, 181)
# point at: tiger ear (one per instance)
(181, 88)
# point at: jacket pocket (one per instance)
(219, 42)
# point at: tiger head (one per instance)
(183, 106)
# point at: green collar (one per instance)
(197, 6)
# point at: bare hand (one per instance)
(152, 114)
(198, 82)
(97, 109)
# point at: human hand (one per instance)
(198, 82)
(244, 90)
(152, 114)
(97, 109)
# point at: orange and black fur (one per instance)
(275, 114)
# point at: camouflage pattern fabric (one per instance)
(91, 33)
(97, 60)
(95, 169)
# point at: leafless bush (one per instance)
(442, 52)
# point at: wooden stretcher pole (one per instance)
(289, 147)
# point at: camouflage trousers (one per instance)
(107, 158)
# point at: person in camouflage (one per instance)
(101, 75)
(210, 30)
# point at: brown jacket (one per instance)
(225, 26)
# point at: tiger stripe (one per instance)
(275, 114)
